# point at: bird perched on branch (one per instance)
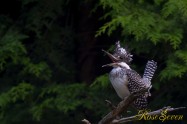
(126, 80)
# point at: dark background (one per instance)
(51, 58)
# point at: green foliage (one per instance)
(11, 47)
(40, 56)
(40, 70)
(58, 97)
(153, 30)
(157, 23)
(177, 65)
(101, 81)
(67, 98)
(145, 23)
(172, 7)
(36, 49)
(22, 92)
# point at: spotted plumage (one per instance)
(136, 83)
(125, 80)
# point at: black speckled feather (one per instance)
(135, 84)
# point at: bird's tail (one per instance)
(141, 102)
(150, 69)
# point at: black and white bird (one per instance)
(126, 80)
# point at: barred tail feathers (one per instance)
(150, 69)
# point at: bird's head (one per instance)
(120, 54)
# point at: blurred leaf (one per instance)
(101, 81)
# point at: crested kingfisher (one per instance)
(126, 80)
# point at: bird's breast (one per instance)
(119, 81)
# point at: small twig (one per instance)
(136, 117)
(121, 107)
(86, 121)
(109, 103)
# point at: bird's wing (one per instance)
(135, 83)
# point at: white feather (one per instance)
(119, 82)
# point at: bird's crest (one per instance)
(122, 53)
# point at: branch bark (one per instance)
(121, 107)
(136, 117)
(86, 121)
(110, 118)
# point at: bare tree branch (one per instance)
(86, 121)
(136, 117)
(121, 107)
(111, 117)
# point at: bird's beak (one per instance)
(113, 58)
(111, 64)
